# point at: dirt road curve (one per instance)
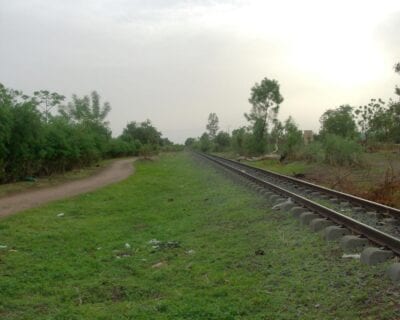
(117, 171)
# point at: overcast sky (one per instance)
(175, 61)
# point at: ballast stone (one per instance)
(394, 272)
(353, 243)
(297, 211)
(319, 224)
(307, 217)
(333, 233)
(372, 256)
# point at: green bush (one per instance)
(313, 152)
(342, 151)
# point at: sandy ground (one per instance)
(117, 171)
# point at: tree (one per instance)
(205, 143)
(212, 125)
(369, 118)
(189, 142)
(397, 70)
(86, 110)
(277, 133)
(238, 140)
(47, 101)
(144, 133)
(339, 121)
(292, 136)
(222, 141)
(265, 99)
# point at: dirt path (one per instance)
(117, 171)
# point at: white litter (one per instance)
(127, 245)
(60, 214)
(154, 241)
(190, 251)
(351, 256)
(280, 205)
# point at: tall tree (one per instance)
(87, 109)
(397, 70)
(265, 99)
(212, 125)
(47, 100)
(369, 116)
(339, 121)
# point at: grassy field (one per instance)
(53, 180)
(177, 240)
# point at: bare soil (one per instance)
(116, 171)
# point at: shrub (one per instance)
(342, 151)
(313, 152)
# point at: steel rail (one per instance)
(376, 236)
(348, 197)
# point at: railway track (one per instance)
(327, 208)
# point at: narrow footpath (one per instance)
(117, 171)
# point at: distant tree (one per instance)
(165, 142)
(189, 142)
(144, 133)
(369, 118)
(397, 70)
(292, 136)
(277, 133)
(222, 141)
(86, 110)
(265, 99)
(205, 143)
(212, 125)
(339, 121)
(26, 139)
(6, 123)
(238, 140)
(47, 100)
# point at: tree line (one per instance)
(345, 131)
(43, 134)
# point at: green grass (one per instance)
(77, 266)
(53, 180)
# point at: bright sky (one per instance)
(175, 61)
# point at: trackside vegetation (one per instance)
(346, 131)
(44, 134)
(178, 240)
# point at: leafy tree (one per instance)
(205, 143)
(212, 125)
(5, 119)
(292, 137)
(189, 142)
(238, 140)
(86, 110)
(144, 133)
(277, 134)
(368, 115)
(25, 140)
(47, 101)
(339, 121)
(397, 70)
(222, 141)
(265, 99)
